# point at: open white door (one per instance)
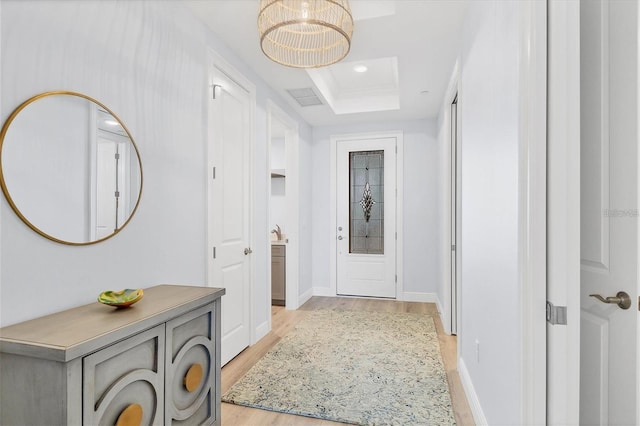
(609, 213)
(229, 209)
(366, 217)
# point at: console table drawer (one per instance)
(125, 374)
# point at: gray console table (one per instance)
(156, 362)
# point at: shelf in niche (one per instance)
(278, 173)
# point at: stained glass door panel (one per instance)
(366, 193)
(365, 201)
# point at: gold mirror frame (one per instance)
(5, 189)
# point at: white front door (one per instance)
(609, 213)
(229, 210)
(366, 217)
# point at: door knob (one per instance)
(621, 299)
(247, 251)
(339, 237)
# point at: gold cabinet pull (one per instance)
(193, 378)
(130, 416)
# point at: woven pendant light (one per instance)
(305, 33)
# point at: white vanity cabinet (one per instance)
(156, 362)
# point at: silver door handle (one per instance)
(621, 299)
(247, 251)
(339, 237)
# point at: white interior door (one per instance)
(111, 192)
(230, 209)
(609, 213)
(366, 217)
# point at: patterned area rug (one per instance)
(367, 368)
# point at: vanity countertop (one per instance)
(279, 242)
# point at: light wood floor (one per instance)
(283, 321)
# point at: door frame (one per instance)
(563, 212)
(333, 204)
(292, 197)
(532, 207)
(638, 240)
(218, 64)
(453, 92)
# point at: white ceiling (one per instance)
(423, 35)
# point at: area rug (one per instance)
(366, 368)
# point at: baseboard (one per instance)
(409, 296)
(439, 305)
(302, 299)
(441, 314)
(472, 397)
(262, 330)
(322, 291)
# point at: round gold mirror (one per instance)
(69, 168)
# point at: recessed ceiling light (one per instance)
(360, 68)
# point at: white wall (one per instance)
(489, 333)
(279, 204)
(278, 185)
(147, 61)
(421, 266)
(278, 152)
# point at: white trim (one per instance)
(472, 396)
(439, 306)
(333, 176)
(292, 196)
(410, 296)
(304, 297)
(400, 212)
(638, 236)
(1, 324)
(263, 329)
(563, 210)
(268, 231)
(532, 225)
(453, 90)
(399, 135)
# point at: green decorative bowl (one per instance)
(122, 298)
